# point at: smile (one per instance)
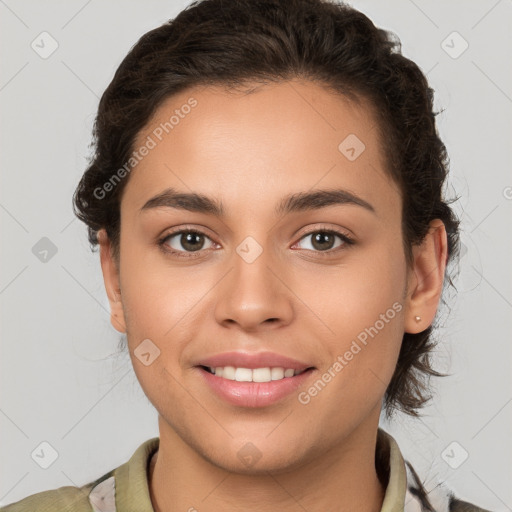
(266, 374)
(240, 386)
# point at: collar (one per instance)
(391, 469)
(127, 488)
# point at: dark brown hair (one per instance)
(237, 42)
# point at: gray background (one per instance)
(61, 380)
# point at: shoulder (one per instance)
(457, 505)
(69, 498)
(439, 499)
(406, 490)
(123, 487)
(66, 498)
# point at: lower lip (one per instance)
(254, 394)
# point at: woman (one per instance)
(266, 193)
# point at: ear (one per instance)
(425, 280)
(111, 280)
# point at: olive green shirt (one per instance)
(125, 488)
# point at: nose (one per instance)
(254, 295)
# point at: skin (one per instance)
(249, 151)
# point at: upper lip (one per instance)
(254, 360)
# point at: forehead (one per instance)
(284, 137)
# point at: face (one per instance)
(271, 275)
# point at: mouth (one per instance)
(255, 379)
(254, 387)
(264, 374)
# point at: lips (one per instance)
(253, 380)
(252, 361)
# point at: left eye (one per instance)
(324, 240)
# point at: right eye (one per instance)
(184, 241)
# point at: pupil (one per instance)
(321, 238)
(187, 241)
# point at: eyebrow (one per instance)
(298, 202)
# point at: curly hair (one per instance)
(214, 42)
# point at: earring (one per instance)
(417, 318)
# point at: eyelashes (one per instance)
(190, 237)
(165, 246)
(345, 239)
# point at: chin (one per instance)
(249, 460)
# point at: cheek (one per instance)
(152, 294)
(353, 297)
(363, 307)
(161, 303)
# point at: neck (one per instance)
(344, 478)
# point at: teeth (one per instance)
(261, 375)
(228, 372)
(243, 375)
(254, 375)
(277, 373)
